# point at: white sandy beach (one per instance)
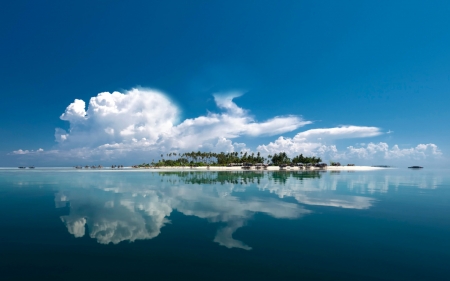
(270, 168)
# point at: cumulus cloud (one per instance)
(319, 142)
(316, 141)
(373, 150)
(75, 112)
(113, 118)
(140, 122)
(146, 120)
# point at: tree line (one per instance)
(223, 159)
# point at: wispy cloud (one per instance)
(23, 152)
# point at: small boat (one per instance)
(31, 167)
(22, 167)
(415, 167)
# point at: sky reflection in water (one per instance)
(112, 207)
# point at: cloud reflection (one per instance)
(132, 212)
(112, 217)
(112, 208)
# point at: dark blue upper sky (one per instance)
(368, 63)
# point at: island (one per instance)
(245, 161)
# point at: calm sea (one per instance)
(66, 224)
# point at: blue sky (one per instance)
(367, 64)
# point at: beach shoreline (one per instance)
(269, 168)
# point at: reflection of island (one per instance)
(220, 177)
(283, 176)
(111, 207)
(239, 177)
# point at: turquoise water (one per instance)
(66, 224)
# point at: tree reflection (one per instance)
(241, 177)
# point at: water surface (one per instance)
(291, 225)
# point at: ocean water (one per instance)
(66, 224)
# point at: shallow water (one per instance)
(114, 225)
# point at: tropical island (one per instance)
(242, 160)
(201, 159)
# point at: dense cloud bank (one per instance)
(143, 123)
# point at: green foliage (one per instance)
(223, 159)
(281, 158)
(306, 160)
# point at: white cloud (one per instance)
(75, 112)
(142, 123)
(232, 123)
(343, 132)
(382, 150)
(319, 142)
(225, 101)
(314, 142)
(122, 125)
(118, 118)
(22, 152)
